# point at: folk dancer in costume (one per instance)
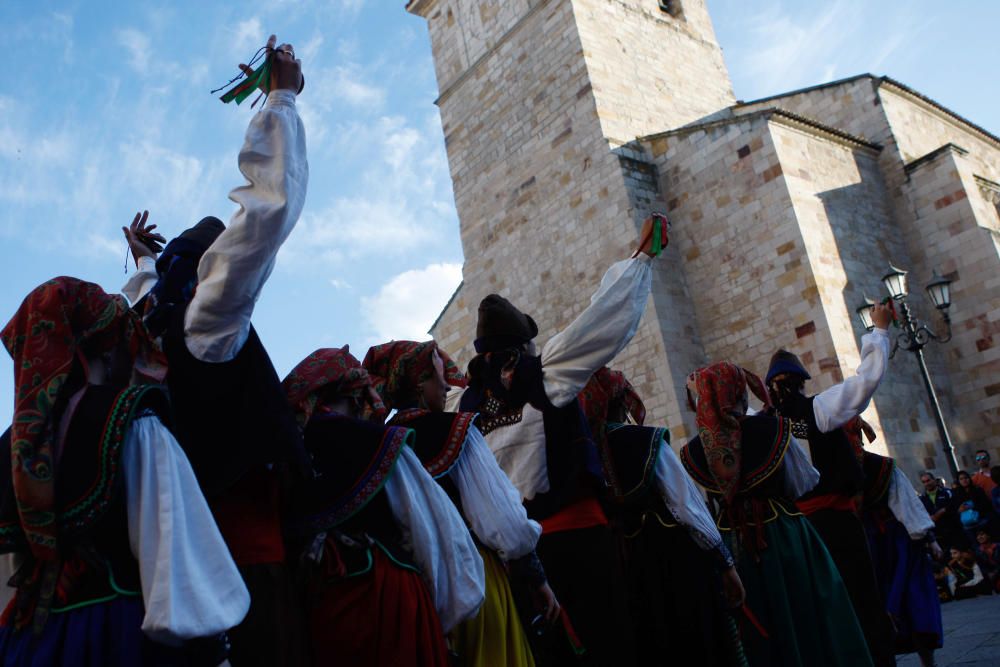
(231, 416)
(121, 561)
(901, 539)
(389, 565)
(532, 422)
(414, 379)
(797, 611)
(831, 506)
(681, 576)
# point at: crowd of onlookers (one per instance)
(967, 523)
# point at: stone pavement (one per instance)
(971, 635)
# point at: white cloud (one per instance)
(339, 284)
(406, 306)
(249, 34)
(138, 48)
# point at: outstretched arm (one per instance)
(233, 271)
(841, 403)
(601, 331)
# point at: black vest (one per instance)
(230, 416)
(629, 459)
(352, 460)
(831, 453)
(878, 476)
(572, 463)
(90, 491)
(764, 442)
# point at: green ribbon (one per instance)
(657, 246)
(252, 83)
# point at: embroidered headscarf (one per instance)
(721, 407)
(327, 374)
(398, 368)
(854, 430)
(604, 389)
(45, 339)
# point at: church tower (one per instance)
(540, 101)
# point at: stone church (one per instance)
(567, 121)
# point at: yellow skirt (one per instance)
(495, 636)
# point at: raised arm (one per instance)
(841, 403)
(233, 271)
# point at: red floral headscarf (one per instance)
(329, 372)
(605, 388)
(397, 369)
(721, 407)
(44, 338)
(854, 429)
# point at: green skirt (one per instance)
(797, 598)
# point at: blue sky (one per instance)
(105, 111)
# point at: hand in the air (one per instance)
(138, 234)
(646, 235)
(881, 316)
(732, 588)
(286, 71)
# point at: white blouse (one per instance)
(190, 585)
(437, 537)
(232, 272)
(569, 358)
(491, 504)
(905, 505)
(842, 402)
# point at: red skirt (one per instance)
(383, 617)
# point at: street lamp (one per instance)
(915, 335)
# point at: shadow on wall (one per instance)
(868, 241)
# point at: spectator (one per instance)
(972, 507)
(982, 477)
(966, 578)
(937, 500)
(995, 476)
(988, 556)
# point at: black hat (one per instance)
(502, 325)
(784, 361)
(205, 232)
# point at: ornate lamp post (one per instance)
(915, 335)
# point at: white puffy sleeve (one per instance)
(839, 404)
(491, 504)
(140, 282)
(601, 331)
(800, 475)
(190, 585)
(232, 272)
(441, 545)
(905, 505)
(684, 500)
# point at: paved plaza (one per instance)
(971, 635)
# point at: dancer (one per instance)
(900, 534)
(532, 422)
(414, 378)
(831, 505)
(681, 576)
(797, 610)
(231, 415)
(121, 560)
(388, 563)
